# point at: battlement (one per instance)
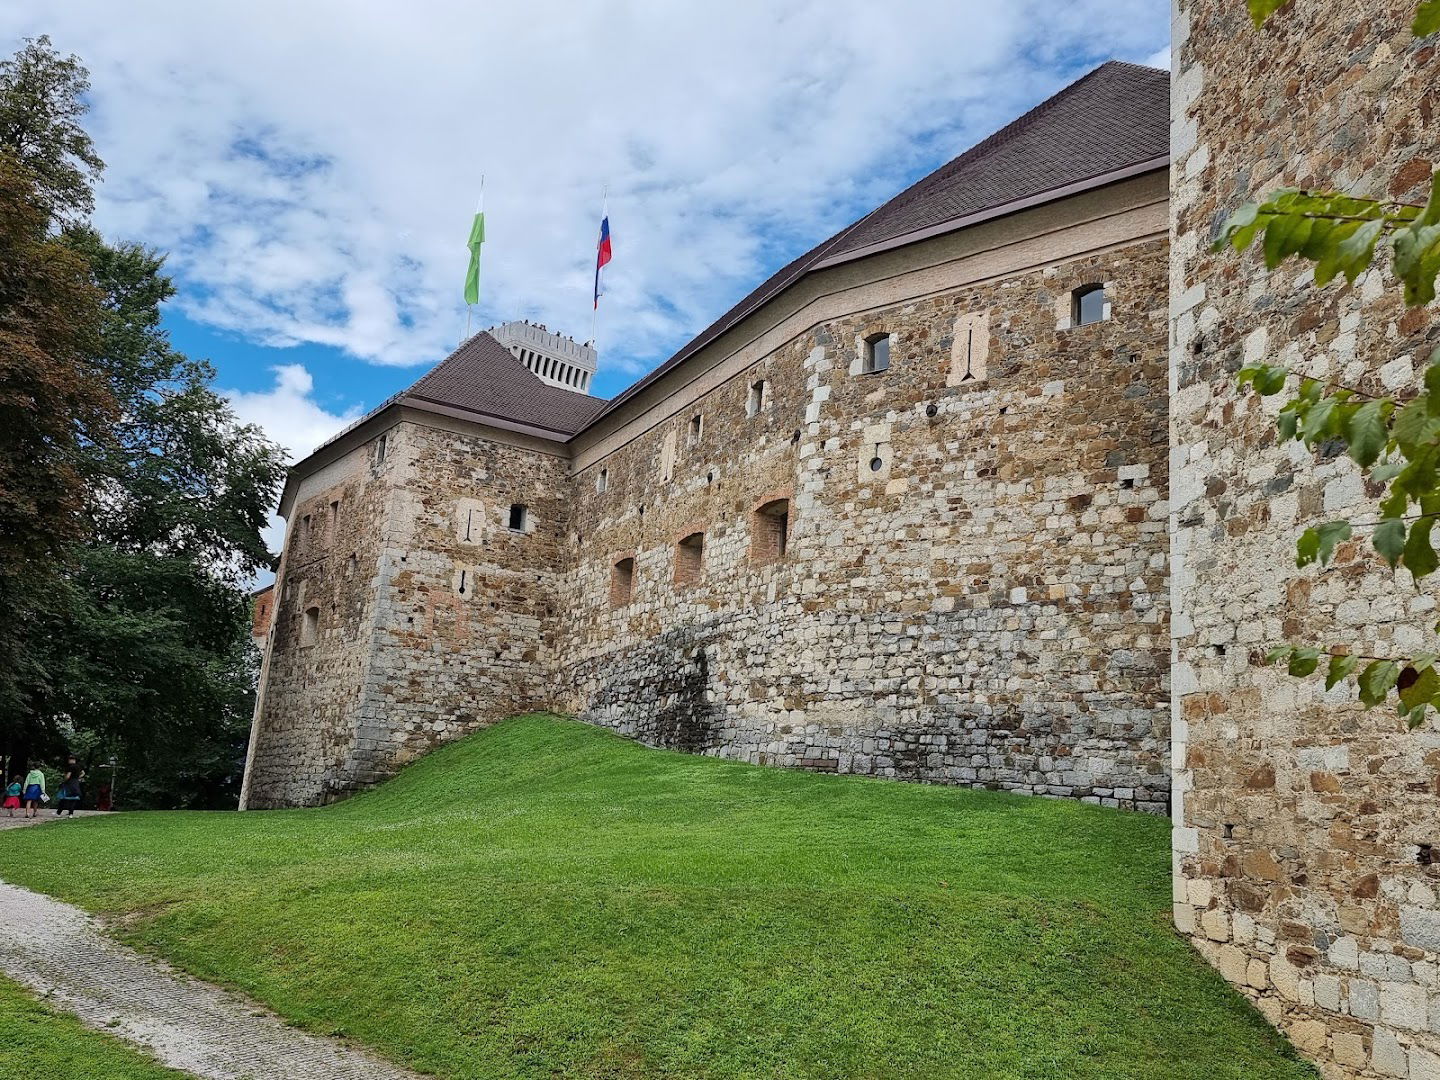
(557, 359)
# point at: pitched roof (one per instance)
(1115, 117)
(482, 376)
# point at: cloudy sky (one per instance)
(312, 167)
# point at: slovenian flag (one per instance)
(602, 255)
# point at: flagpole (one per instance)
(595, 311)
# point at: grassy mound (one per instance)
(545, 899)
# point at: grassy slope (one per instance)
(38, 1044)
(545, 899)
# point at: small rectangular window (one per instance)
(310, 628)
(877, 354)
(697, 428)
(602, 481)
(305, 527)
(622, 582)
(689, 559)
(770, 532)
(1087, 305)
(755, 403)
(380, 450)
(519, 517)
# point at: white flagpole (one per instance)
(595, 311)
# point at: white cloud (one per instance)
(313, 166)
(288, 414)
(1160, 58)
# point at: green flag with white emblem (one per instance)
(472, 275)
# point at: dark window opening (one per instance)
(1087, 305)
(380, 449)
(622, 582)
(697, 428)
(602, 482)
(755, 403)
(770, 532)
(876, 464)
(519, 518)
(689, 559)
(877, 354)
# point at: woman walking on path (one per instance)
(34, 791)
(12, 794)
(68, 797)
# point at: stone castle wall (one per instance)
(435, 617)
(974, 583)
(1303, 823)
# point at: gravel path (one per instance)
(44, 817)
(62, 954)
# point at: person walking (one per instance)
(34, 792)
(67, 799)
(12, 794)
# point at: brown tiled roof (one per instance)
(482, 376)
(1115, 117)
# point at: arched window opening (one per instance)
(689, 559)
(770, 532)
(622, 582)
(1087, 305)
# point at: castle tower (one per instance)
(558, 360)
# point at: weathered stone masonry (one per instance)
(1303, 823)
(987, 606)
(952, 569)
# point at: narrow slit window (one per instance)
(602, 481)
(697, 428)
(380, 450)
(519, 517)
(622, 582)
(1087, 305)
(689, 559)
(755, 403)
(877, 354)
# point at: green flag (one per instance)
(472, 275)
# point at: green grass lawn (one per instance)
(37, 1043)
(545, 899)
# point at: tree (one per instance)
(42, 101)
(131, 498)
(1395, 438)
(153, 658)
(51, 402)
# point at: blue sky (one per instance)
(312, 169)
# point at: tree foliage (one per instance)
(1393, 438)
(42, 101)
(132, 498)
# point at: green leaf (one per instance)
(1427, 18)
(1318, 544)
(1280, 652)
(1318, 420)
(1365, 431)
(1239, 228)
(1416, 716)
(1421, 661)
(1260, 10)
(1390, 540)
(1357, 250)
(1386, 471)
(1415, 426)
(1267, 379)
(1376, 680)
(1287, 423)
(1340, 668)
(1420, 557)
(1417, 261)
(1417, 687)
(1304, 661)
